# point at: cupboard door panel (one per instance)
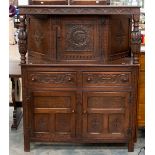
(105, 115)
(53, 115)
(78, 39)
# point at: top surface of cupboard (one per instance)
(69, 2)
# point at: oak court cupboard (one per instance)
(80, 72)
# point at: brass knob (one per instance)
(28, 99)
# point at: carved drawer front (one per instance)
(100, 79)
(52, 79)
(53, 115)
(105, 114)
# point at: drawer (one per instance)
(100, 79)
(52, 79)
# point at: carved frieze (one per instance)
(79, 10)
(107, 78)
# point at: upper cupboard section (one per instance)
(66, 39)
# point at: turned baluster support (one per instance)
(135, 39)
(22, 36)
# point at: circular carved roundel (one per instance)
(79, 37)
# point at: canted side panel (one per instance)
(120, 36)
(53, 118)
(79, 39)
(105, 115)
(39, 39)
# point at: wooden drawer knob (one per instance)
(124, 78)
(84, 111)
(73, 111)
(33, 78)
(69, 79)
(88, 79)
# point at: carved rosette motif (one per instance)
(78, 37)
(54, 78)
(116, 124)
(107, 78)
(22, 39)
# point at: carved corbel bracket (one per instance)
(135, 39)
(22, 36)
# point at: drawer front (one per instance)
(52, 79)
(100, 79)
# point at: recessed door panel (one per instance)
(54, 115)
(78, 39)
(105, 114)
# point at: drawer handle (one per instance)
(33, 78)
(73, 111)
(69, 78)
(84, 111)
(124, 78)
(89, 79)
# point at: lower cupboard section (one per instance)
(64, 116)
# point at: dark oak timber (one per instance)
(80, 81)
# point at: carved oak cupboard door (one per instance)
(78, 39)
(53, 116)
(105, 115)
